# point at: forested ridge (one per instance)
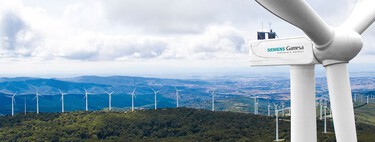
(181, 124)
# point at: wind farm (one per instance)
(187, 70)
(145, 101)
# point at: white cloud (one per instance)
(77, 36)
(128, 30)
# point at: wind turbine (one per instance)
(325, 117)
(268, 108)
(213, 100)
(110, 100)
(321, 109)
(155, 93)
(282, 109)
(37, 101)
(367, 99)
(25, 106)
(277, 122)
(87, 99)
(333, 47)
(355, 97)
(177, 95)
(62, 101)
(13, 101)
(256, 105)
(133, 96)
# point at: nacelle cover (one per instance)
(276, 52)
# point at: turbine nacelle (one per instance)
(277, 52)
(343, 47)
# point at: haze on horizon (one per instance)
(50, 38)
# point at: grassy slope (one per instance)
(161, 125)
(366, 114)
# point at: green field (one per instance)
(182, 124)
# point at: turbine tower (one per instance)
(282, 109)
(87, 99)
(268, 108)
(25, 106)
(256, 105)
(277, 122)
(133, 96)
(333, 47)
(62, 101)
(37, 101)
(320, 110)
(213, 100)
(325, 117)
(155, 94)
(177, 96)
(110, 100)
(13, 101)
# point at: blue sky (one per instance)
(51, 38)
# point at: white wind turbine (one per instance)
(133, 97)
(110, 100)
(177, 96)
(37, 101)
(269, 108)
(256, 105)
(321, 109)
(25, 106)
(155, 95)
(282, 109)
(213, 100)
(87, 99)
(333, 47)
(277, 122)
(62, 101)
(325, 117)
(13, 101)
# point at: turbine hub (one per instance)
(344, 46)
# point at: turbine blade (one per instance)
(152, 89)
(341, 102)
(301, 15)
(362, 16)
(61, 91)
(134, 89)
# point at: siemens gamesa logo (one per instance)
(275, 49)
(286, 48)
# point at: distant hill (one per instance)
(180, 124)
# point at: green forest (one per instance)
(181, 124)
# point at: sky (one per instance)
(163, 38)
